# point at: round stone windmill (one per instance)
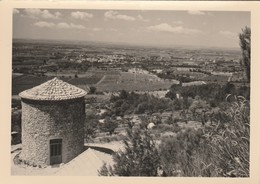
(53, 115)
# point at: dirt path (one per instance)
(101, 80)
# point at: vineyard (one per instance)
(109, 81)
(132, 82)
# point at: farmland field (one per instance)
(131, 82)
(90, 80)
(23, 82)
(216, 78)
(110, 81)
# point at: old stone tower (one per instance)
(53, 115)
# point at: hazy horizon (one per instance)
(80, 42)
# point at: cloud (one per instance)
(196, 12)
(47, 15)
(15, 11)
(61, 25)
(115, 15)
(177, 22)
(32, 12)
(58, 14)
(164, 27)
(140, 17)
(44, 24)
(81, 15)
(77, 26)
(111, 29)
(64, 25)
(96, 29)
(228, 34)
(38, 13)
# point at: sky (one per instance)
(136, 27)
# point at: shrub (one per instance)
(92, 89)
(229, 142)
(220, 149)
(184, 154)
(140, 157)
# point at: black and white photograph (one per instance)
(117, 92)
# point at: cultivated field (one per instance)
(132, 82)
(105, 81)
(23, 82)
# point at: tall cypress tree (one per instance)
(245, 44)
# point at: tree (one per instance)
(171, 94)
(198, 104)
(179, 156)
(90, 128)
(141, 108)
(229, 88)
(105, 170)
(123, 94)
(140, 157)
(245, 44)
(177, 104)
(92, 89)
(109, 125)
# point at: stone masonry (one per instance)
(43, 120)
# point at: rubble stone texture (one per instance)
(52, 110)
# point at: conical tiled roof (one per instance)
(53, 90)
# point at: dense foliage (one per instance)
(229, 142)
(131, 102)
(220, 148)
(245, 44)
(213, 93)
(140, 157)
(171, 75)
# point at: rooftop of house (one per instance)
(53, 90)
(87, 163)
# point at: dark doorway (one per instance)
(55, 151)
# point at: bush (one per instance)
(109, 126)
(229, 142)
(140, 157)
(184, 154)
(167, 128)
(112, 138)
(219, 149)
(92, 89)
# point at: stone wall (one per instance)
(43, 121)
